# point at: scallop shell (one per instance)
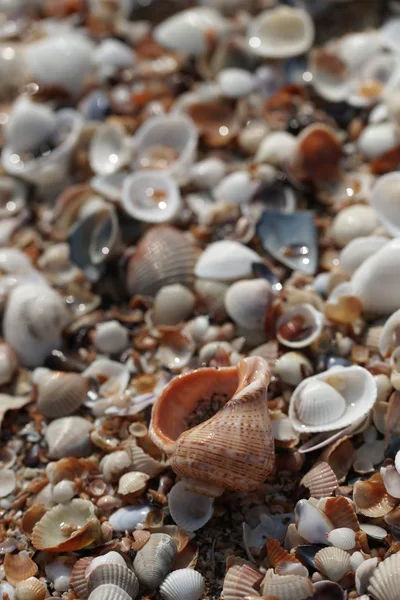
(115, 574)
(299, 326)
(68, 436)
(358, 388)
(189, 511)
(276, 554)
(18, 567)
(287, 587)
(385, 581)
(163, 256)
(333, 562)
(60, 393)
(247, 302)
(154, 561)
(78, 577)
(240, 581)
(151, 197)
(8, 363)
(140, 461)
(109, 591)
(320, 480)
(31, 589)
(109, 150)
(371, 498)
(133, 482)
(183, 584)
(343, 538)
(67, 527)
(319, 404)
(281, 32)
(226, 260)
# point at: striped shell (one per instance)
(385, 582)
(154, 561)
(240, 581)
(276, 554)
(343, 538)
(319, 404)
(78, 577)
(183, 584)
(320, 480)
(341, 513)
(18, 567)
(110, 558)
(119, 575)
(133, 482)
(68, 436)
(109, 591)
(287, 587)
(31, 589)
(332, 562)
(60, 394)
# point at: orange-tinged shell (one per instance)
(320, 480)
(67, 527)
(31, 589)
(69, 468)
(287, 587)
(60, 394)
(234, 449)
(31, 516)
(179, 535)
(341, 513)
(78, 577)
(140, 538)
(277, 554)
(240, 581)
(339, 456)
(18, 567)
(371, 498)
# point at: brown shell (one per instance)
(320, 480)
(339, 456)
(371, 498)
(31, 516)
(277, 554)
(140, 538)
(78, 577)
(234, 449)
(341, 513)
(18, 567)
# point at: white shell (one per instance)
(59, 573)
(313, 319)
(287, 587)
(385, 199)
(333, 562)
(385, 581)
(391, 479)
(151, 197)
(312, 524)
(8, 482)
(63, 491)
(374, 531)
(189, 511)
(358, 250)
(292, 366)
(247, 302)
(388, 340)
(8, 363)
(343, 538)
(68, 436)
(114, 574)
(206, 173)
(364, 573)
(235, 188)
(154, 560)
(376, 139)
(390, 34)
(110, 337)
(113, 376)
(276, 148)
(108, 150)
(234, 82)
(187, 30)
(226, 261)
(281, 32)
(352, 222)
(183, 584)
(356, 385)
(128, 517)
(318, 403)
(114, 464)
(29, 125)
(109, 591)
(110, 558)
(111, 55)
(173, 304)
(6, 589)
(132, 482)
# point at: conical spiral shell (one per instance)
(60, 394)
(154, 561)
(183, 584)
(109, 591)
(385, 582)
(118, 575)
(31, 589)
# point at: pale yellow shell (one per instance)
(31, 589)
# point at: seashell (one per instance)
(291, 568)
(134, 482)
(291, 368)
(114, 464)
(357, 387)
(299, 326)
(391, 480)
(319, 404)
(183, 584)
(68, 436)
(371, 498)
(112, 376)
(234, 82)
(59, 573)
(163, 256)
(110, 558)
(110, 337)
(59, 394)
(238, 467)
(114, 574)
(56, 265)
(384, 583)
(167, 143)
(235, 188)
(388, 338)
(67, 527)
(109, 186)
(377, 533)
(18, 567)
(240, 580)
(281, 32)
(187, 30)
(151, 197)
(173, 304)
(109, 591)
(65, 469)
(358, 250)
(8, 482)
(377, 138)
(363, 574)
(312, 524)
(34, 318)
(290, 238)
(320, 480)
(8, 457)
(29, 125)
(287, 587)
(140, 537)
(283, 432)
(207, 173)
(189, 511)
(343, 538)
(31, 589)
(154, 561)
(175, 350)
(111, 56)
(353, 222)
(226, 260)
(247, 302)
(128, 517)
(333, 562)
(6, 589)
(276, 554)
(341, 513)
(63, 491)
(140, 461)
(328, 590)
(109, 150)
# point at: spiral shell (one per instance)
(154, 561)
(60, 394)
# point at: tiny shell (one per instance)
(384, 199)
(287, 587)
(388, 339)
(206, 173)
(234, 188)
(385, 581)
(376, 139)
(18, 567)
(151, 197)
(343, 538)
(183, 584)
(333, 562)
(299, 326)
(112, 376)
(189, 511)
(292, 367)
(226, 260)
(371, 498)
(247, 302)
(234, 82)
(134, 482)
(68, 436)
(320, 480)
(31, 589)
(60, 394)
(115, 574)
(154, 561)
(110, 337)
(8, 482)
(352, 222)
(276, 148)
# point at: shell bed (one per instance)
(200, 299)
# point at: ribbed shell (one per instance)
(277, 554)
(371, 498)
(18, 567)
(119, 575)
(154, 561)
(132, 483)
(319, 404)
(78, 577)
(240, 581)
(332, 562)
(31, 589)
(183, 584)
(109, 592)
(341, 513)
(110, 558)
(287, 587)
(162, 257)
(320, 480)
(385, 582)
(343, 538)
(60, 394)
(68, 436)
(79, 515)
(143, 462)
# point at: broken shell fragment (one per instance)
(371, 498)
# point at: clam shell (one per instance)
(353, 222)
(299, 326)
(110, 558)
(68, 436)
(287, 587)
(247, 302)
(371, 498)
(385, 581)
(226, 260)
(81, 527)
(154, 561)
(189, 511)
(109, 150)
(18, 567)
(173, 304)
(8, 482)
(240, 581)
(291, 367)
(320, 480)
(391, 479)
(31, 589)
(109, 591)
(112, 376)
(312, 524)
(341, 513)
(357, 387)
(343, 538)
(151, 197)
(163, 256)
(115, 574)
(111, 337)
(319, 404)
(183, 584)
(134, 482)
(60, 393)
(333, 562)
(358, 250)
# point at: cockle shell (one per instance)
(110, 337)
(163, 256)
(299, 326)
(133, 482)
(240, 581)
(333, 562)
(115, 574)
(341, 513)
(108, 591)
(247, 302)
(231, 461)
(385, 581)
(109, 150)
(114, 464)
(226, 261)
(18, 567)
(189, 511)
(34, 318)
(183, 584)
(287, 587)
(59, 394)
(355, 385)
(110, 558)
(151, 197)
(31, 589)
(154, 561)
(342, 537)
(320, 480)
(140, 461)
(68, 436)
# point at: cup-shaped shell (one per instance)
(134, 482)
(154, 561)
(385, 581)
(109, 591)
(183, 584)
(59, 394)
(67, 527)
(163, 256)
(31, 589)
(287, 587)
(78, 577)
(109, 150)
(68, 436)
(247, 302)
(371, 497)
(151, 197)
(239, 453)
(390, 335)
(168, 143)
(173, 304)
(226, 261)
(115, 574)
(353, 384)
(190, 511)
(299, 326)
(281, 32)
(18, 567)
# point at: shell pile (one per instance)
(200, 299)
